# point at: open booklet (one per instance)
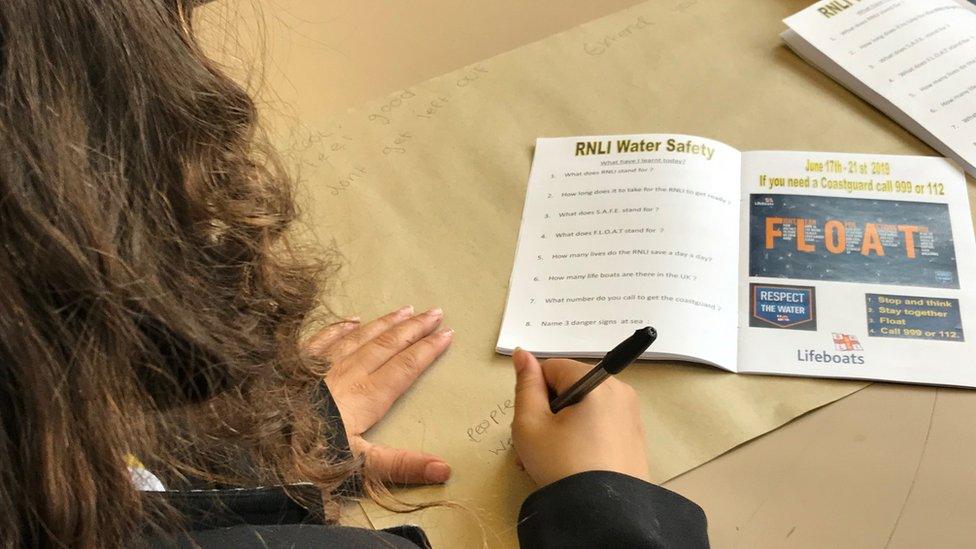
(915, 60)
(792, 263)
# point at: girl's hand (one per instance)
(371, 366)
(602, 432)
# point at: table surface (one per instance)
(887, 466)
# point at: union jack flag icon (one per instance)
(847, 342)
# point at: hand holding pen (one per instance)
(601, 432)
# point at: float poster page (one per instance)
(888, 242)
(856, 266)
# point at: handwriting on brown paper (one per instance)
(500, 415)
(604, 43)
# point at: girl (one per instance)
(154, 390)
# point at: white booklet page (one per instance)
(913, 59)
(856, 266)
(619, 232)
(792, 263)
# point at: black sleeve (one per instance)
(605, 509)
(290, 536)
(330, 412)
(352, 486)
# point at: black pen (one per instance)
(613, 363)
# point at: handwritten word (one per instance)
(474, 74)
(478, 431)
(337, 144)
(386, 110)
(347, 179)
(610, 40)
(317, 147)
(433, 106)
(502, 446)
(397, 145)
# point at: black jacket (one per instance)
(591, 509)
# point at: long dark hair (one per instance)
(150, 301)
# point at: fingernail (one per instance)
(437, 472)
(408, 310)
(352, 320)
(433, 313)
(445, 332)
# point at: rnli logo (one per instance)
(846, 342)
